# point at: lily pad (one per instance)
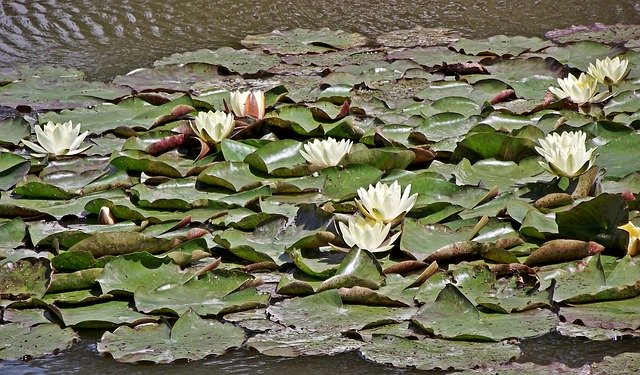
(25, 277)
(299, 41)
(103, 315)
(434, 354)
(161, 343)
(324, 311)
(294, 343)
(19, 341)
(238, 61)
(453, 316)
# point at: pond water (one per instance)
(109, 37)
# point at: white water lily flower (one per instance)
(326, 152)
(57, 140)
(633, 247)
(579, 90)
(248, 103)
(213, 127)
(366, 235)
(385, 203)
(566, 154)
(609, 71)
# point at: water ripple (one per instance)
(110, 37)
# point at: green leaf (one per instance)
(235, 176)
(103, 315)
(453, 316)
(211, 295)
(597, 220)
(118, 243)
(163, 344)
(12, 169)
(434, 354)
(24, 278)
(128, 276)
(301, 41)
(324, 311)
(358, 268)
(20, 341)
(14, 129)
(238, 61)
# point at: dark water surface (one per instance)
(109, 37)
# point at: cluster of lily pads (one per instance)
(408, 197)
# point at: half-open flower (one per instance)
(326, 152)
(566, 154)
(57, 140)
(633, 248)
(385, 203)
(367, 235)
(212, 127)
(248, 103)
(579, 90)
(609, 71)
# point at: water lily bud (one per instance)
(248, 103)
(56, 139)
(327, 152)
(633, 247)
(105, 216)
(609, 71)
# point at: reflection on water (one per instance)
(109, 37)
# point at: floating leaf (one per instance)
(19, 341)
(433, 354)
(298, 41)
(163, 344)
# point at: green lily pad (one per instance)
(128, 276)
(358, 268)
(621, 315)
(324, 311)
(48, 93)
(491, 172)
(299, 41)
(12, 169)
(130, 113)
(434, 354)
(103, 315)
(161, 343)
(238, 61)
(501, 45)
(14, 129)
(118, 243)
(25, 277)
(13, 232)
(235, 176)
(453, 316)
(20, 341)
(597, 220)
(588, 282)
(619, 157)
(294, 343)
(269, 241)
(83, 279)
(211, 295)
